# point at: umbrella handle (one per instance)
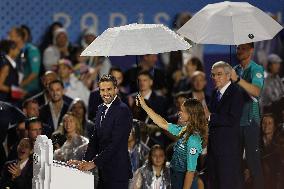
(137, 61)
(230, 55)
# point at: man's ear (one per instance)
(151, 82)
(116, 90)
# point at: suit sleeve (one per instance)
(120, 133)
(228, 118)
(92, 150)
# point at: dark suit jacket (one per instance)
(130, 78)
(24, 181)
(224, 124)
(39, 97)
(108, 147)
(156, 102)
(46, 116)
(95, 100)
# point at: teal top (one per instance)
(32, 65)
(185, 153)
(253, 74)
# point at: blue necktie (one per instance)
(103, 112)
(219, 95)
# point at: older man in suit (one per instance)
(225, 108)
(108, 148)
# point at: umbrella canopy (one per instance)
(136, 39)
(229, 23)
(10, 114)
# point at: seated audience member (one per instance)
(269, 160)
(100, 63)
(273, 88)
(8, 69)
(18, 174)
(60, 48)
(43, 97)
(52, 113)
(156, 102)
(155, 173)
(198, 81)
(79, 109)
(183, 82)
(85, 73)
(47, 37)
(31, 109)
(173, 111)
(147, 64)
(279, 153)
(14, 135)
(34, 128)
(76, 145)
(138, 151)
(73, 87)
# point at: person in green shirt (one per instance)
(249, 76)
(192, 133)
(29, 61)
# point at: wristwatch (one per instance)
(238, 80)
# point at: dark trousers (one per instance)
(250, 143)
(113, 185)
(224, 172)
(110, 184)
(177, 180)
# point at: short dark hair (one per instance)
(197, 62)
(28, 30)
(56, 81)
(20, 32)
(31, 120)
(6, 46)
(114, 68)
(28, 101)
(147, 73)
(108, 78)
(251, 45)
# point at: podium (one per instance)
(50, 174)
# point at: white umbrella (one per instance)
(136, 39)
(229, 23)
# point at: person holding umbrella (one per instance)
(249, 76)
(192, 136)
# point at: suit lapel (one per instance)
(109, 111)
(213, 102)
(224, 96)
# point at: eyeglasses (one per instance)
(219, 74)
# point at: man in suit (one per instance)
(52, 112)
(225, 108)
(156, 102)
(95, 99)
(147, 63)
(43, 97)
(108, 148)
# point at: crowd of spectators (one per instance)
(57, 91)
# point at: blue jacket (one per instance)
(108, 147)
